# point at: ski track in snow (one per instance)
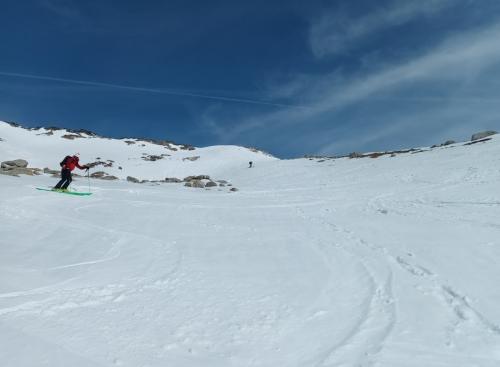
(428, 281)
(360, 344)
(388, 262)
(61, 298)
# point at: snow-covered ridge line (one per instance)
(84, 133)
(476, 138)
(80, 133)
(143, 159)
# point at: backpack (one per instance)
(65, 160)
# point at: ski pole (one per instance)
(88, 177)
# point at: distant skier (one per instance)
(68, 164)
(250, 164)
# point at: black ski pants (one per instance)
(65, 179)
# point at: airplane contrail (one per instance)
(149, 90)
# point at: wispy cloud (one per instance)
(336, 32)
(64, 9)
(172, 92)
(448, 69)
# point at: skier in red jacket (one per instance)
(67, 165)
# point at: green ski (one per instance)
(65, 191)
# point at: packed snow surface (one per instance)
(392, 261)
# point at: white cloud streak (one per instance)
(337, 33)
(171, 92)
(462, 59)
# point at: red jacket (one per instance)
(72, 162)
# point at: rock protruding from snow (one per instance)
(103, 176)
(71, 136)
(195, 183)
(153, 158)
(482, 135)
(133, 179)
(192, 159)
(446, 143)
(172, 180)
(201, 181)
(355, 155)
(17, 163)
(17, 167)
(199, 177)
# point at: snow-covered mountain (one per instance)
(388, 261)
(142, 159)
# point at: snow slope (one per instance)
(43, 150)
(362, 262)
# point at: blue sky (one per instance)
(289, 77)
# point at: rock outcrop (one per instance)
(203, 181)
(18, 167)
(482, 135)
(195, 183)
(103, 176)
(152, 157)
(133, 179)
(172, 180)
(199, 177)
(17, 163)
(192, 159)
(71, 136)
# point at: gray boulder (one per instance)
(198, 184)
(9, 172)
(152, 158)
(109, 178)
(20, 171)
(98, 174)
(172, 180)
(71, 136)
(482, 135)
(233, 189)
(133, 179)
(199, 177)
(18, 167)
(195, 183)
(355, 155)
(211, 184)
(192, 159)
(103, 176)
(20, 163)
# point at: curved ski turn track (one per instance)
(389, 262)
